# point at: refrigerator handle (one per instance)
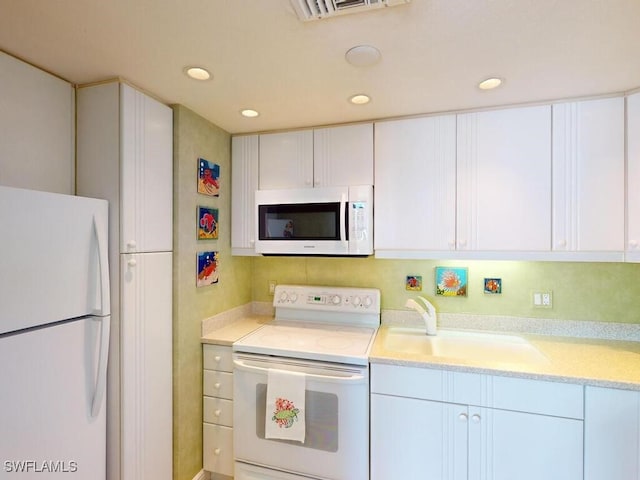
(103, 258)
(101, 379)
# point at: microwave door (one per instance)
(303, 228)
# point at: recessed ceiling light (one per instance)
(490, 83)
(360, 99)
(362, 56)
(249, 113)
(197, 73)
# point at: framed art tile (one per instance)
(207, 268)
(208, 178)
(451, 282)
(413, 283)
(493, 286)
(207, 223)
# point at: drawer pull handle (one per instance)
(217, 413)
(217, 358)
(476, 418)
(216, 451)
(462, 417)
(216, 385)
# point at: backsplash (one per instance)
(597, 292)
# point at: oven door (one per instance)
(336, 444)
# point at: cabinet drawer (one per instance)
(507, 393)
(535, 396)
(218, 411)
(413, 382)
(217, 449)
(217, 357)
(218, 384)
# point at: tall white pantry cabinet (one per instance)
(125, 155)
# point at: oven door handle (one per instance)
(351, 378)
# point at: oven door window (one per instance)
(321, 419)
(304, 221)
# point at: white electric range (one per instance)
(334, 324)
(324, 334)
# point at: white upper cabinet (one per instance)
(147, 173)
(244, 183)
(125, 155)
(633, 178)
(504, 180)
(343, 155)
(322, 157)
(415, 187)
(286, 160)
(37, 121)
(588, 177)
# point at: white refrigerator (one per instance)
(54, 335)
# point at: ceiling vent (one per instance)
(318, 9)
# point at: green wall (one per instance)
(195, 137)
(607, 292)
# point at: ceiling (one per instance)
(434, 52)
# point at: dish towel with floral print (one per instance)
(285, 413)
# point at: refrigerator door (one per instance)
(53, 258)
(50, 384)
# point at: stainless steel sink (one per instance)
(464, 345)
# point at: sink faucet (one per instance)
(428, 313)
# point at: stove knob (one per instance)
(356, 301)
(294, 297)
(335, 299)
(283, 297)
(367, 302)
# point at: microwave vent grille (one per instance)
(308, 10)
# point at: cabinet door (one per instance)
(417, 439)
(286, 160)
(504, 180)
(37, 121)
(146, 173)
(146, 383)
(505, 445)
(244, 183)
(343, 156)
(612, 434)
(588, 176)
(633, 178)
(415, 185)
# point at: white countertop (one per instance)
(588, 361)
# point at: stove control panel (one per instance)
(338, 299)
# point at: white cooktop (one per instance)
(333, 324)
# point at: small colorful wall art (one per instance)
(207, 271)
(207, 223)
(208, 178)
(493, 285)
(451, 282)
(413, 283)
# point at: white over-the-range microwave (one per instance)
(332, 221)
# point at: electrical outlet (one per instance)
(272, 287)
(542, 299)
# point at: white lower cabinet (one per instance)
(434, 424)
(612, 434)
(217, 427)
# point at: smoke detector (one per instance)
(318, 9)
